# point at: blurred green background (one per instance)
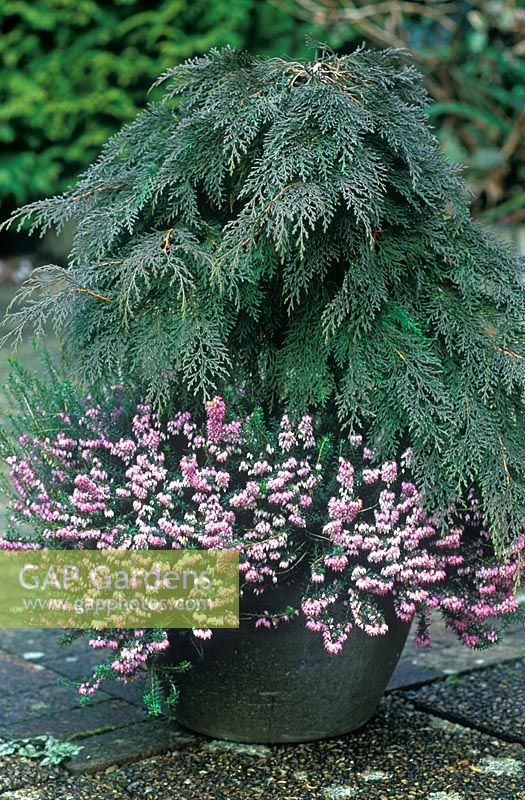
(73, 71)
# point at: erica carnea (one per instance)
(115, 475)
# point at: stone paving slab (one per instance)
(74, 662)
(41, 702)
(75, 666)
(408, 674)
(141, 739)
(448, 656)
(67, 723)
(18, 675)
(492, 700)
(129, 692)
(41, 646)
(36, 640)
(402, 754)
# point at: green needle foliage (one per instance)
(293, 230)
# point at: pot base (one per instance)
(271, 686)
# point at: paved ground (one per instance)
(452, 727)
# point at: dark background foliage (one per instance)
(73, 71)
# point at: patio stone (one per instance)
(41, 702)
(75, 664)
(20, 640)
(138, 740)
(75, 722)
(492, 700)
(447, 656)
(18, 675)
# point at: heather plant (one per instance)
(297, 503)
(291, 233)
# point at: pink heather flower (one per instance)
(452, 604)
(345, 475)
(215, 412)
(377, 629)
(336, 562)
(201, 633)
(341, 509)
(261, 468)
(306, 432)
(333, 647)
(9, 545)
(370, 476)
(389, 472)
(287, 440)
(165, 500)
(422, 640)
(119, 487)
(89, 688)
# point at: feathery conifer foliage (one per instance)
(293, 230)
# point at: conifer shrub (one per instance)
(290, 235)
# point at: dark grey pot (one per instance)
(279, 685)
